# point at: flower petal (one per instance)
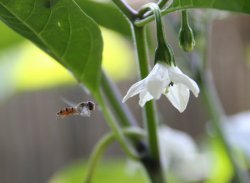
(134, 89)
(178, 95)
(155, 86)
(144, 97)
(157, 80)
(178, 77)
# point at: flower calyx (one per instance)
(164, 53)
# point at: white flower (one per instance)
(237, 131)
(178, 155)
(167, 80)
(178, 152)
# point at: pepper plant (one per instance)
(68, 30)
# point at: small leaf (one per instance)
(63, 30)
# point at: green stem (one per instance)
(150, 121)
(162, 3)
(142, 55)
(184, 17)
(159, 27)
(113, 97)
(102, 145)
(215, 111)
(163, 52)
(126, 9)
(150, 118)
(126, 146)
(149, 18)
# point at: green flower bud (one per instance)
(186, 36)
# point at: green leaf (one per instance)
(8, 37)
(63, 30)
(106, 15)
(242, 6)
(110, 170)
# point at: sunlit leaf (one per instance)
(8, 37)
(108, 171)
(221, 166)
(36, 70)
(62, 30)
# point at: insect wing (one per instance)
(70, 103)
(85, 112)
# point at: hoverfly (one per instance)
(83, 109)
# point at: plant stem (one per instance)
(114, 98)
(184, 18)
(149, 18)
(159, 27)
(152, 166)
(116, 129)
(150, 121)
(215, 111)
(102, 145)
(162, 3)
(126, 9)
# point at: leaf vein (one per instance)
(46, 24)
(31, 12)
(69, 38)
(91, 43)
(91, 51)
(8, 17)
(32, 30)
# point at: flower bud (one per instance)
(186, 38)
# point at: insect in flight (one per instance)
(83, 109)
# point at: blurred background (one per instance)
(34, 145)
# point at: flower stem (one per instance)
(150, 120)
(149, 18)
(126, 146)
(114, 98)
(162, 3)
(184, 18)
(159, 27)
(102, 145)
(215, 111)
(125, 8)
(163, 52)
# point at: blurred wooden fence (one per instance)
(33, 145)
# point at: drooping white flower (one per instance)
(178, 148)
(167, 80)
(178, 155)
